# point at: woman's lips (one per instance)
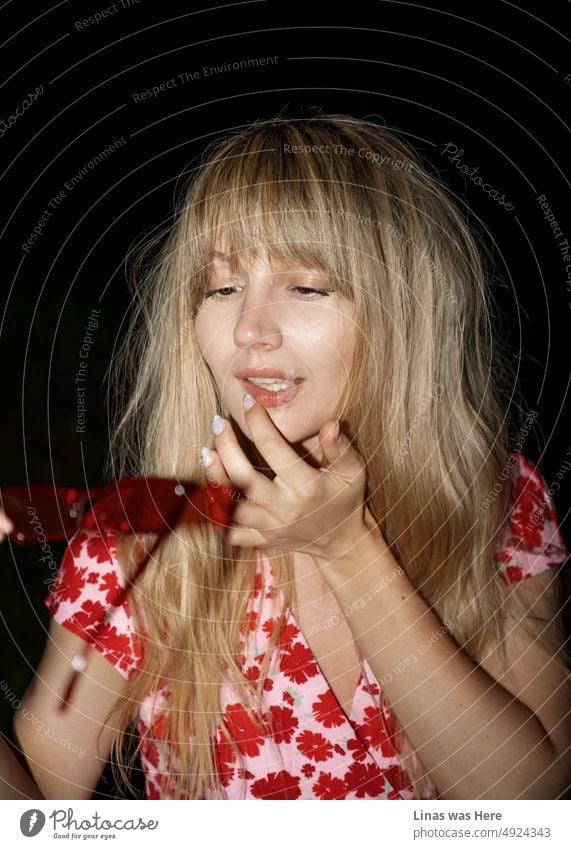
(271, 399)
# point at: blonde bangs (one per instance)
(258, 194)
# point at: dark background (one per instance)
(490, 79)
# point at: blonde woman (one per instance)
(381, 620)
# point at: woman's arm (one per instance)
(62, 750)
(477, 738)
(15, 783)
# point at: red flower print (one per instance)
(371, 689)
(111, 587)
(359, 751)
(159, 727)
(277, 785)
(114, 642)
(152, 790)
(101, 549)
(529, 511)
(246, 774)
(247, 736)
(90, 615)
(364, 780)
(371, 730)
(76, 543)
(158, 731)
(288, 634)
(92, 578)
(269, 625)
(224, 760)
(398, 778)
(508, 572)
(69, 581)
(314, 746)
(327, 710)
(298, 663)
(287, 697)
(327, 787)
(512, 574)
(308, 770)
(268, 685)
(339, 749)
(121, 646)
(150, 752)
(258, 584)
(502, 557)
(252, 674)
(283, 723)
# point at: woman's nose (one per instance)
(258, 324)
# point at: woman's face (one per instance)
(286, 330)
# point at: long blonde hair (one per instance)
(434, 433)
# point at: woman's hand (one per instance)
(320, 512)
(6, 526)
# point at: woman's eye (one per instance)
(307, 291)
(223, 291)
(311, 291)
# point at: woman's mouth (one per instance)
(271, 392)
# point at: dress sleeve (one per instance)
(532, 541)
(85, 586)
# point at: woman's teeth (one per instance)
(271, 385)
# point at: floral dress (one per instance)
(315, 750)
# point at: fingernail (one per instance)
(206, 457)
(217, 425)
(248, 401)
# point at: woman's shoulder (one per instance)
(532, 541)
(89, 583)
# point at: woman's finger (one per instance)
(243, 474)
(249, 514)
(6, 525)
(214, 471)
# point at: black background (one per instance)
(488, 78)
